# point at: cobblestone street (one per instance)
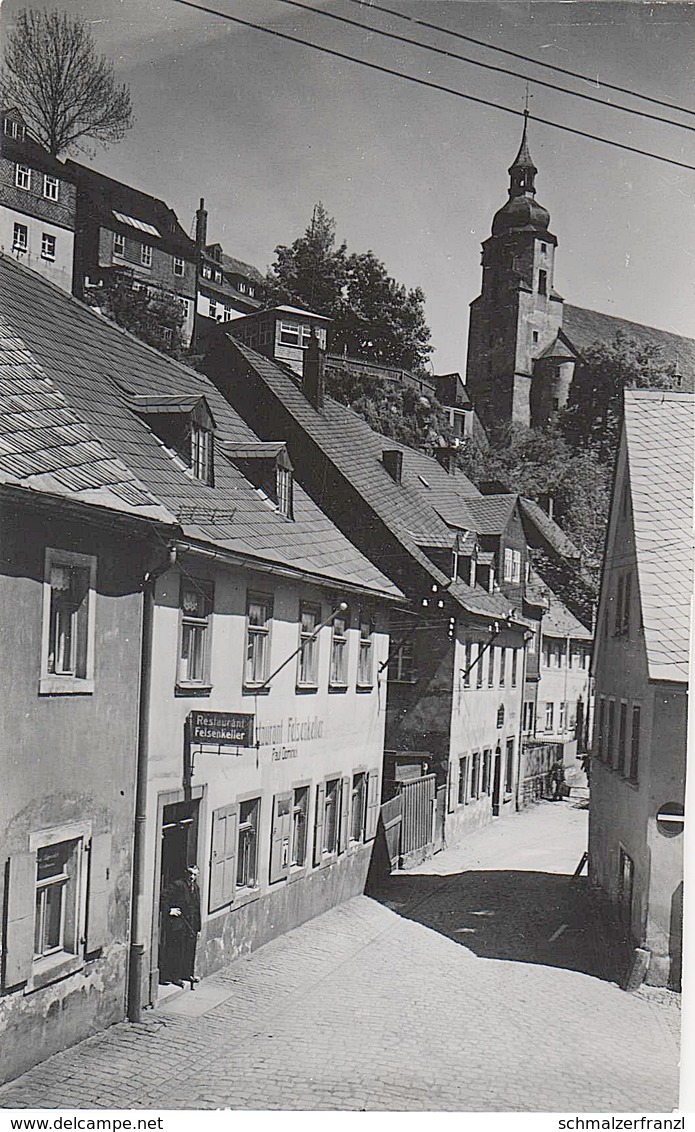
(473, 983)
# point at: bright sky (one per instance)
(263, 129)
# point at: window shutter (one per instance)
(318, 822)
(98, 892)
(223, 857)
(453, 785)
(21, 898)
(344, 815)
(280, 837)
(372, 805)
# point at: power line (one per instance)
(431, 85)
(484, 66)
(523, 58)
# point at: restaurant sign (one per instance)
(224, 728)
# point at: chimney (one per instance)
(312, 372)
(201, 227)
(392, 459)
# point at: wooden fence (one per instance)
(417, 825)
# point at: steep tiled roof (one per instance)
(238, 267)
(558, 621)
(548, 528)
(584, 327)
(661, 461)
(68, 414)
(109, 198)
(491, 513)
(412, 509)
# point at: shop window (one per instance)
(300, 816)
(196, 602)
(358, 806)
(247, 849)
(339, 651)
(259, 612)
(308, 663)
(634, 744)
(365, 655)
(68, 628)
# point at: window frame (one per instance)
(246, 888)
(46, 237)
(365, 654)
(401, 668)
(22, 173)
(18, 245)
(464, 770)
(202, 449)
(284, 490)
(340, 646)
(510, 747)
(258, 632)
(303, 789)
(146, 255)
(178, 265)
(118, 244)
(358, 806)
(57, 683)
(635, 737)
(54, 184)
(549, 715)
(192, 621)
(58, 963)
(308, 639)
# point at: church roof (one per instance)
(661, 454)
(584, 327)
(523, 159)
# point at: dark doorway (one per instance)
(496, 782)
(179, 849)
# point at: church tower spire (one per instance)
(518, 313)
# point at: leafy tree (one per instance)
(592, 419)
(397, 411)
(155, 318)
(373, 316)
(52, 73)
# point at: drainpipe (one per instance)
(137, 918)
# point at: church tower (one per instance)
(518, 314)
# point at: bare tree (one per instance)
(52, 73)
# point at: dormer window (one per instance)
(295, 334)
(201, 452)
(284, 489)
(15, 129)
(218, 275)
(206, 271)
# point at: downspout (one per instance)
(137, 917)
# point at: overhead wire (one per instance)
(427, 83)
(523, 58)
(485, 66)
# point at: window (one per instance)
(542, 282)
(358, 808)
(515, 658)
(146, 255)
(622, 739)
(300, 813)
(467, 661)
(242, 288)
(544, 248)
(610, 731)
(509, 767)
(549, 713)
(546, 653)
(463, 781)
(55, 920)
(487, 766)
(308, 670)
(527, 724)
(206, 271)
(600, 733)
(402, 663)
(259, 612)
(218, 275)
(196, 600)
(247, 849)
(68, 621)
(365, 655)
(48, 246)
(14, 129)
(534, 335)
(252, 291)
(503, 665)
(50, 187)
(475, 775)
(284, 488)
(202, 453)
(562, 720)
(22, 176)
(178, 265)
(20, 238)
(339, 651)
(118, 244)
(330, 816)
(491, 666)
(213, 309)
(512, 565)
(634, 744)
(295, 334)
(479, 667)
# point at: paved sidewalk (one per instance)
(468, 990)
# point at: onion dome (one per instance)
(521, 212)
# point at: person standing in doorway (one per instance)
(180, 928)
